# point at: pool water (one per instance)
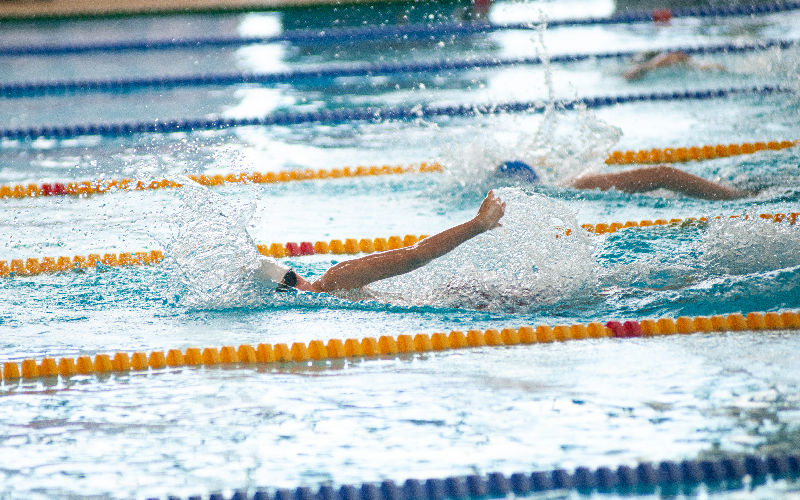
(597, 402)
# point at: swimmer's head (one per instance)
(276, 274)
(519, 170)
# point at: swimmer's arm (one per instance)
(635, 73)
(660, 61)
(365, 270)
(708, 66)
(640, 180)
(669, 59)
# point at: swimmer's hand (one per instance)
(490, 213)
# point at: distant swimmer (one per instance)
(638, 180)
(357, 273)
(650, 61)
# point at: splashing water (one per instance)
(210, 257)
(725, 249)
(212, 262)
(572, 144)
(658, 271)
(544, 55)
(564, 145)
(781, 65)
(743, 246)
(527, 263)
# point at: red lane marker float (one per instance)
(662, 15)
(629, 329)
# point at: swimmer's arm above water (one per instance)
(640, 180)
(356, 273)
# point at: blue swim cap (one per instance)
(518, 169)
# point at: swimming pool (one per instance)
(195, 431)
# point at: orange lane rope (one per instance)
(78, 188)
(388, 346)
(33, 266)
(684, 154)
(349, 246)
(612, 227)
(641, 157)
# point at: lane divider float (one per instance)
(641, 157)
(48, 265)
(350, 246)
(399, 33)
(350, 70)
(643, 479)
(371, 114)
(603, 228)
(387, 345)
(79, 188)
(694, 153)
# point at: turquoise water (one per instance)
(596, 402)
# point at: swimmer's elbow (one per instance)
(404, 260)
(417, 256)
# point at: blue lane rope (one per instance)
(393, 33)
(30, 89)
(644, 478)
(369, 114)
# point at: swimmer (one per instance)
(655, 60)
(638, 180)
(357, 273)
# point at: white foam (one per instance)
(739, 246)
(562, 146)
(527, 262)
(727, 249)
(210, 258)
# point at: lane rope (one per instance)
(48, 265)
(694, 153)
(643, 479)
(625, 479)
(399, 33)
(370, 114)
(605, 228)
(119, 85)
(387, 345)
(641, 157)
(85, 188)
(349, 246)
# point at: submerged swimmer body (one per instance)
(638, 180)
(356, 273)
(655, 60)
